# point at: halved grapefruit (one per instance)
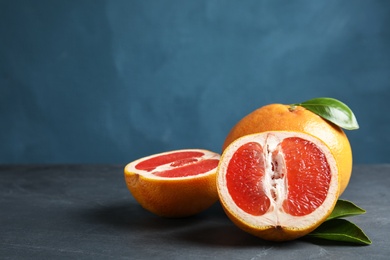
(174, 184)
(278, 185)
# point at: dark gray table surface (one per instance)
(86, 212)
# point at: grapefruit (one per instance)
(279, 117)
(278, 185)
(174, 184)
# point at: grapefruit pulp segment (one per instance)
(154, 162)
(194, 167)
(308, 176)
(244, 177)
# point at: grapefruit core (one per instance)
(278, 185)
(174, 184)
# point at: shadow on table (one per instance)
(133, 217)
(210, 228)
(127, 215)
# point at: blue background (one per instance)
(110, 81)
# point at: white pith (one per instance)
(149, 174)
(275, 183)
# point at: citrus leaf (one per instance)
(345, 208)
(341, 230)
(332, 110)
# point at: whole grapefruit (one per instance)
(281, 117)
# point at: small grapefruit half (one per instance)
(174, 184)
(278, 185)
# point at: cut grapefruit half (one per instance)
(278, 185)
(174, 184)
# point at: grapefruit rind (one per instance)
(276, 224)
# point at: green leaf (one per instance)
(332, 110)
(341, 230)
(345, 208)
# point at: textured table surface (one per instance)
(86, 212)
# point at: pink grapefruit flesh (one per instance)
(306, 172)
(178, 164)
